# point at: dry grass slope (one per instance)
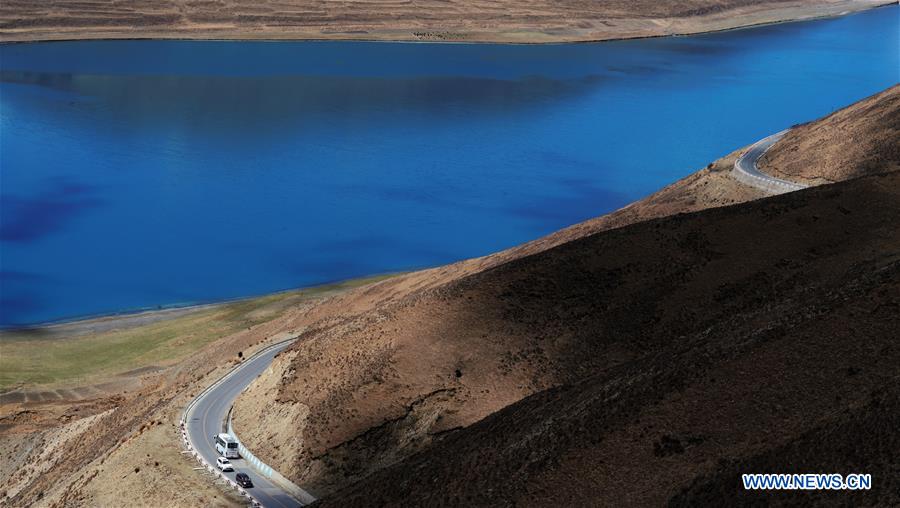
(862, 139)
(485, 20)
(127, 448)
(68, 356)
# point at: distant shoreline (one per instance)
(131, 318)
(635, 28)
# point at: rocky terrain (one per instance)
(453, 20)
(641, 306)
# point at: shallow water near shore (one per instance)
(142, 173)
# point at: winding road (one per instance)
(746, 170)
(206, 416)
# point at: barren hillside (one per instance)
(473, 20)
(754, 338)
(117, 443)
(855, 141)
(415, 358)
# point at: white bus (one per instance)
(227, 446)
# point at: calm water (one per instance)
(139, 173)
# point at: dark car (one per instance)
(243, 480)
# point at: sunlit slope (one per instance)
(473, 20)
(858, 140)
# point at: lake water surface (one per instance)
(144, 173)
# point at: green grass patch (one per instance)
(48, 357)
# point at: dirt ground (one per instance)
(526, 21)
(103, 450)
(117, 443)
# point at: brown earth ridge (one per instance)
(850, 142)
(526, 21)
(643, 357)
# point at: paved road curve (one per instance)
(746, 170)
(206, 418)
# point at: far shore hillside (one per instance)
(526, 21)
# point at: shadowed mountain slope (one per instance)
(755, 338)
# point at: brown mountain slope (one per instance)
(755, 338)
(855, 141)
(379, 372)
(859, 439)
(482, 20)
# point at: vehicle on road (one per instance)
(227, 446)
(243, 479)
(224, 464)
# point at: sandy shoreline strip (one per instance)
(133, 318)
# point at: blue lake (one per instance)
(136, 174)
